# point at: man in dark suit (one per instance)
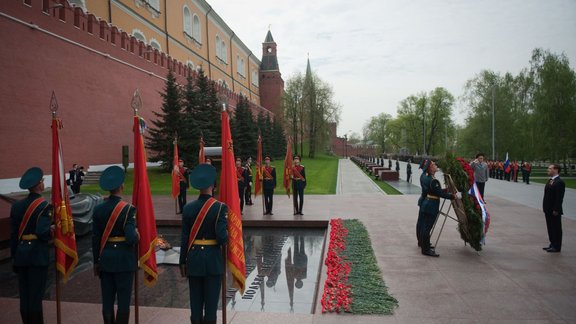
(72, 176)
(30, 224)
(114, 238)
(552, 207)
(204, 232)
(268, 185)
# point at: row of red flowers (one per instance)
(337, 294)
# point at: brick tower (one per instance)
(271, 83)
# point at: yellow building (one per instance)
(189, 31)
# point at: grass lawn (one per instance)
(388, 189)
(321, 172)
(570, 183)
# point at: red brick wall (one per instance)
(93, 90)
(271, 91)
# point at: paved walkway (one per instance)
(528, 195)
(511, 280)
(351, 180)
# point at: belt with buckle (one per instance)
(432, 197)
(205, 242)
(116, 239)
(29, 237)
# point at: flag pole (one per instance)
(136, 104)
(136, 313)
(224, 304)
(54, 108)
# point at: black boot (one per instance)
(108, 318)
(209, 322)
(193, 321)
(25, 317)
(35, 318)
(122, 318)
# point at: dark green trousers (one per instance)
(31, 285)
(204, 295)
(116, 285)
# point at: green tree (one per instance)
(245, 131)
(207, 111)
(554, 105)
(189, 136)
(278, 139)
(376, 130)
(161, 136)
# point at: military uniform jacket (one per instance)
(35, 252)
(554, 196)
(425, 180)
(184, 178)
(116, 256)
(243, 177)
(204, 260)
(432, 205)
(269, 183)
(299, 183)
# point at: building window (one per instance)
(154, 43)
(255, 77)
(221, 50)
(196, 32)
(139, 35)
(190, 65)
(187, 21)
(155, 4)
(240, 68)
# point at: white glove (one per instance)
(459, 195)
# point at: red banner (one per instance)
(64, 237)
(201, 158)
(288, 166)
(229, 196)
(142, 200)
(258, 185)
(175, 172)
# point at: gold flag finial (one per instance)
(136, 101)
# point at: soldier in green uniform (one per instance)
(204, 232)
(298, 184)
(429, 205)
(31, 229)
(268, 185)
(114, 238)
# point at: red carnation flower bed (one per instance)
(337, 296)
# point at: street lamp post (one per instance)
(493, 128)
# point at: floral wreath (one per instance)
(474, 229)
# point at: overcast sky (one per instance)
(375, 53)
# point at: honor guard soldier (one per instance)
(114, 239)
(429, 205)
(30, 222)
(298, 184)
(204, 232)
(268, 185)
(183, 174)
(243, 180)
(248, 193)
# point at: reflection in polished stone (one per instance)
(277, 262)
(281, 270)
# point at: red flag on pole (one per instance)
(64, 237)
(229, 196)
(142, 200)
(258, 185)
(288, 166)
(175, 172)
(201, 158)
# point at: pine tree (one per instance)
(189, 137)
(267, 139)
(245, 132)
(208, 110)
(160, 137)
(278, 138)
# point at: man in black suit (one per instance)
(552, 207)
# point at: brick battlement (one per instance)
(84, 29)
